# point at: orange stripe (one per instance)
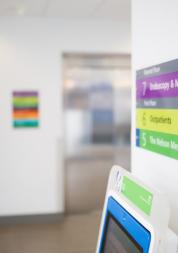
(25, 115)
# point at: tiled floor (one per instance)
(75, 234)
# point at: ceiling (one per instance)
(99, 9)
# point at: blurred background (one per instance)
(97, 104)
(65, 109)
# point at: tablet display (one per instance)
(117, 240)
(122, 233)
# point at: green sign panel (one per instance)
(137, 194)
(162, 143)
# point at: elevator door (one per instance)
(96, 125)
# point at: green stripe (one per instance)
(22, 105)
(25, 123)
(162, 143)
(25, 100)
(137, 194)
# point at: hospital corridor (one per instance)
(88, 126)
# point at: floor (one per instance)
(75, 234)
(89, 171)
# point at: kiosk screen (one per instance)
(118, 240)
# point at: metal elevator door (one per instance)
(97, 104)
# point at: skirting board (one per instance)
(32, 219)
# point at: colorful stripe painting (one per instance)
(25, 109)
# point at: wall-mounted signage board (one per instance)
(25, 109)
(157, 109)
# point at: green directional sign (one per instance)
(137, 194)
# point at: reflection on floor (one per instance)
(75, 234)
(87, 175)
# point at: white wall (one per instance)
(155, 37)
(31, 171)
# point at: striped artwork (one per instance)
(25, 109)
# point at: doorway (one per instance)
(97, 112)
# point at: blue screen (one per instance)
(122, 233)
(117, 240)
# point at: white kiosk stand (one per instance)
(135, 218)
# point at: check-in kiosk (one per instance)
(135, 218)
